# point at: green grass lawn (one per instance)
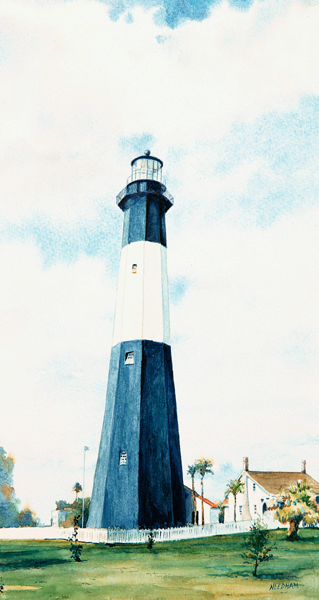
(190, 570)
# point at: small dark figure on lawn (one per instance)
(151, 540)
(76, 548)
(257, 543)
(1, 589)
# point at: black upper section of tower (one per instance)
(144, 201)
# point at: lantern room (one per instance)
(146, 167)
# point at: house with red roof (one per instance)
(211, 509)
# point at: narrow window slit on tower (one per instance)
(134, 268)
(123, 458)
(129, 358)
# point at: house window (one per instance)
(240, 510)
(254, 487)
(317, 499)
(134, 268)
(129, 358)
(255, 509)
(123, 458)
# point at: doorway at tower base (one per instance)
(138, 480)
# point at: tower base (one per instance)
(138, 479)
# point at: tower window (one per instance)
(255, 509)
(129, 358)
(254, 487)
(240, 510)
(134, 268)
(123, 458)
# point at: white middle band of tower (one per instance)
(142, 305)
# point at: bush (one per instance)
(76, 548)
(151, 540)
(257, 543)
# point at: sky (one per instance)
(226, 93)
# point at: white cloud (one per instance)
(248, 331)
(73, 82)
(56, 327)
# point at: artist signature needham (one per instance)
(283, 586)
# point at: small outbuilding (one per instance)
(211, 509)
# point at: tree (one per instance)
(77, 488)
(8, 502)
(74, 510)
(9, 513)
(257, 543)
(202, 467)
(294, 507)
(192, 472)
(61, 504)
(235, 486)
(27, 518)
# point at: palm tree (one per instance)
(202, 467)
(235, 487)
(77, 488)
(192, 472)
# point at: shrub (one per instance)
(151, 540)
(257, 546)
(75, 548)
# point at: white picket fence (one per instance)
(129, 536)
(134, 536)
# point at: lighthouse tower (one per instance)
(138, 479)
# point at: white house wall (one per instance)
(210, 513)
(257, 496)
(249, 505)
(214, 515)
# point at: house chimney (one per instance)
(303, 466)
(246, 464)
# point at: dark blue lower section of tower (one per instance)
(138, 480)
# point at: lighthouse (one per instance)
(138, 479)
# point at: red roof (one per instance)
(212, 504)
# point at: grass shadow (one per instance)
(260, 576)
(30, 558)
(278, 576)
